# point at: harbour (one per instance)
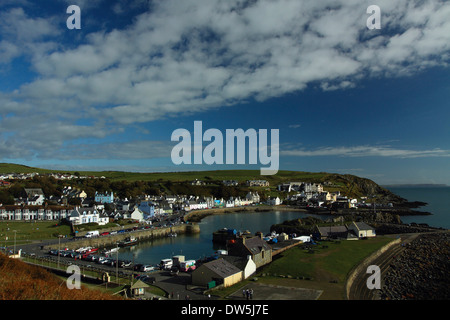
(200, 245)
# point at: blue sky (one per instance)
(346, 99)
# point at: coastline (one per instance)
(198, 215)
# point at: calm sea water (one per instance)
(438, 199)
(200, 245)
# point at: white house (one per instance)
(37, 200)
(362, 229)
(246, 264)
(274, 201)
(137, 214)
(253, 197)
(86, 215)
(229, 203)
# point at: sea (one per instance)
(437, 199)
(198, 246)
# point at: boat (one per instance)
(130, 241)
(172, 235)
(113, 250)
(85, 250)
(91, 250)
(224, 235)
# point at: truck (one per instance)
(187, 265)
(166, 264)
(91, 234)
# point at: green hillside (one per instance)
(350, 185)
(240, 175)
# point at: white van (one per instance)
(166, 264)
(91, 234)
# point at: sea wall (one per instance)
(140, 235)
(362, 267)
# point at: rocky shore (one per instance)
(421, 271)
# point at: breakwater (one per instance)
(421, 271)
(140, 235)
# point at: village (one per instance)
(246, 252)
(164, 215)
(105, 207)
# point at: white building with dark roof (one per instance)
(220, 271)
(81, 215)
(362, 229)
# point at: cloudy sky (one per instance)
(346, 99)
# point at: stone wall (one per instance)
(362, 267)
(111, 240)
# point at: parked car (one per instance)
(149, 280)
(137, 267)
(174, 271)
(146, 268)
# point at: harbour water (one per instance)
(200, 245)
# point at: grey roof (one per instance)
(256, 244)
(238, 262)
(80, 211)
(325, 231)
(363, 226)
(33, 191)
(222, 268)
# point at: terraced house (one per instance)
(20, 212)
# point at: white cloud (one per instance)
(21, 34)
(183, 57)
(366, 151)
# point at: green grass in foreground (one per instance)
(333, 262)
(297, 267)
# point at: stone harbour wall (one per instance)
(140, 235)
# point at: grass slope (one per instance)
(20, 281)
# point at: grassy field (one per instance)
(240, 175)
(330, 260)
(326, 269)
(30, 231)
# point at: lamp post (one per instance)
(117, 266)
(14, 251)
(59, 248)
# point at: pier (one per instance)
(140, 235)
